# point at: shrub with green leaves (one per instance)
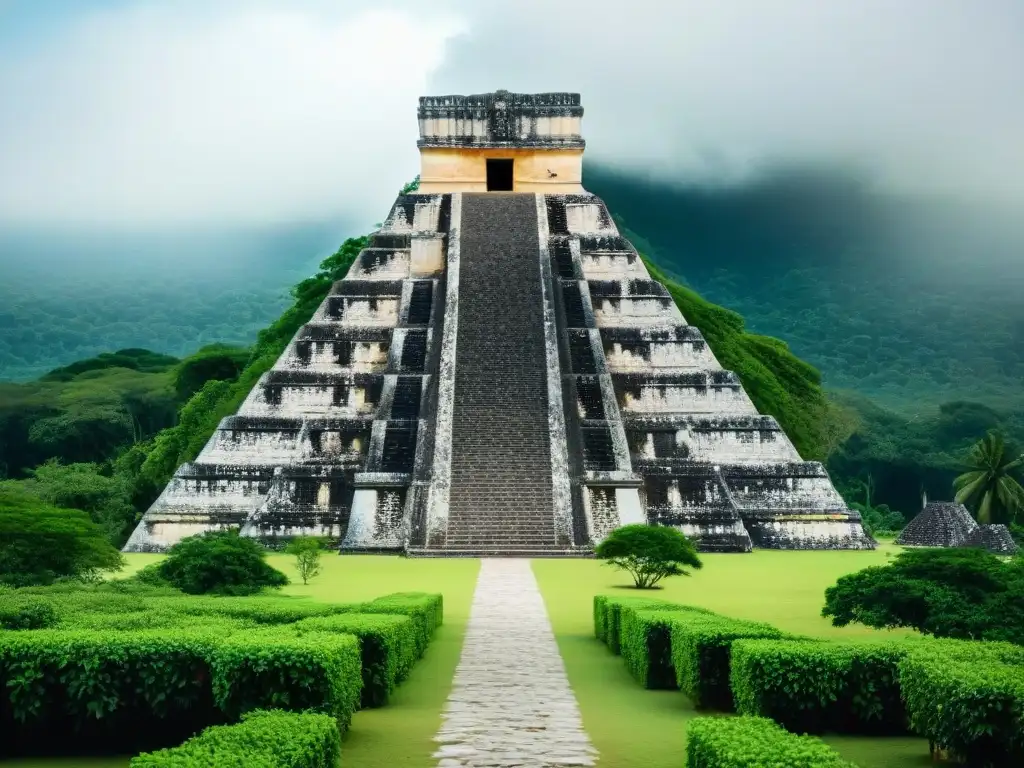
(40, 543)
(264, 739)
(271, 668)
(220, 562)
(608, 611)
(103, 681)
(64, 682)
(702, 652)
(265, 610)
(25, 612)
(387, 644)
(754, 742)
(424, 608)
(822, 685)
(646, 645)
(969, 702)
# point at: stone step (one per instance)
(501, 494)
(500, 552)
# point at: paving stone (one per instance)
(511, 703)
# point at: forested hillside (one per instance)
(70, 296)
(911, 302)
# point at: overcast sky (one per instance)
(135, 114)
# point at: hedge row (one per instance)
(967, 702)
(70, 607)
(754, 742)
(645, 638)
(822, 685)
(81, 675)
(98, 672)
(608, 615)
(264, 739)
(966, 697)
(701, 647)
(387, 643)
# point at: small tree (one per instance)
(40, 543)
(306, 550)
(649, 553)
(221, 562)
(964, 593)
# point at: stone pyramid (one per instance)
(939, 524)
(993, 538)
(499, 374)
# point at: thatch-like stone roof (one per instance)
(994, 538)
(939, 524)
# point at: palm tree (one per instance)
(989, 482)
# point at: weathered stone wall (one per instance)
(653, 409)
(327, 441)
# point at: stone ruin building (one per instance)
(939, 524)
(498, 374)
(993, 538)
(949, 524)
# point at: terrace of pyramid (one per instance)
(498, 374)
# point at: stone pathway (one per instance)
(511, 704)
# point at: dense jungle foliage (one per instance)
(913, 302)
(104, 435)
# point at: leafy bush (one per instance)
(648, 553)
(608, 610)
(425, 609)
(149, 662)
(264, 739)
(264, 610)
(815, 686)
(645, 640)
(969, 701)
(387, 644)
(221, 562)
(17, 612)
(753, 742)
(103, 687)
(67, 679)
(701, 646)
(40, 543)
(960, 593)
(269, 668)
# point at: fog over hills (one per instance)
(843, 174)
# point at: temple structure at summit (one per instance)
(498, 374)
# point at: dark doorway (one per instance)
(499, 175)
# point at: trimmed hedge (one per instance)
(27, 612)
(608, 615)
(269, 669)
(646, 646)
(387, 643)
(424, 608)
(264, 739)
(969, 701)
(701, 652)
(822, 685)
(754, 742)
(149, 662)
(77, 680)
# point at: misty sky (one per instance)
(187, 112)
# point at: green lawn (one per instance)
(631, 726)
(400, 734)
